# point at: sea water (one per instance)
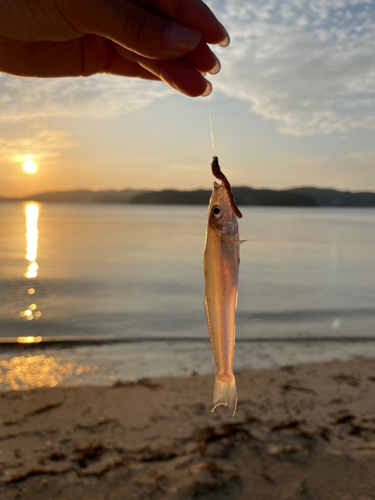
(133, 272)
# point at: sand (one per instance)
(305, 432)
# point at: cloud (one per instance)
(307, 64)
(38, 142)
(100, 96)
(365, 158)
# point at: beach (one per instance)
(304, 431)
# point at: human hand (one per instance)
(151, 39)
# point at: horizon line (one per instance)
(22, 198)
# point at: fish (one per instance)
(221, 269)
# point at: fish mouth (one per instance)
(216, 172)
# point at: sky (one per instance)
(294, 105)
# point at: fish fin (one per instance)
(233, 243)
(225, 393)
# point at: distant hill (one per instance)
(269, 197)
(245, 196)
(333, 198)
(173, 197)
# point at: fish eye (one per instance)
(216, 211)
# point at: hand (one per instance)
(152, 39)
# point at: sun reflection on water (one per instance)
(32, 233)
(29, 340)
(32, 214)
(30, 372)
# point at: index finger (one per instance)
(193, 14)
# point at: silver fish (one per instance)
(221, 264)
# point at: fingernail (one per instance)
(226, 40)
(215, 70)
(177, 37)
(208, 89)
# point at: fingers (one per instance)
(203, 59)
(132, 27)
(178, 74)
(99, 55)
(81, 57)
(195, 14)
(143, 33)
(121, 67)
(159, 39)
(92, 54)
(181, 76)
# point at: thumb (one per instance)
(131, 27)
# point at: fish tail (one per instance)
(225, 392)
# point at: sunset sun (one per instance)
(29, 167)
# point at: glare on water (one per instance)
(32, 214)
(32, 233)
(29, 372)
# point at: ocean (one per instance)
(118, 290)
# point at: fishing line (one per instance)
(209, 119)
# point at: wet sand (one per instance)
(305, 432)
